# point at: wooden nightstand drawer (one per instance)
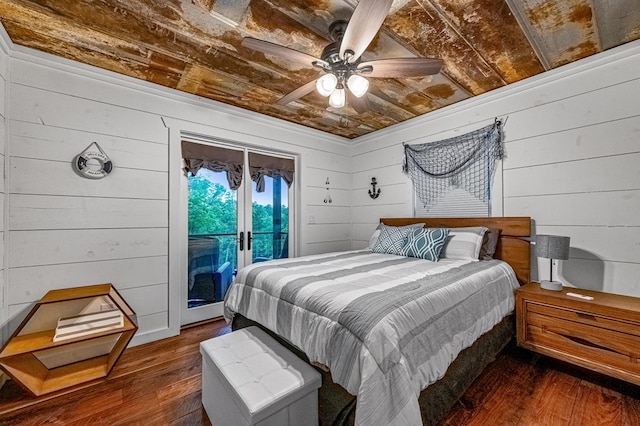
(584, 318)
(585, 342)
(601, 333)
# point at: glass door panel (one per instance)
(212, 246)
(270, 217)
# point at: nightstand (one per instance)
(602, 334)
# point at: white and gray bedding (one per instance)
(387, 326)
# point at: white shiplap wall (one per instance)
(69, 231)
(572, 163)
(4, 106)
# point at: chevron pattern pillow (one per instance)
(425, 243)
(392, 238)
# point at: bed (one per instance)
(400, 333)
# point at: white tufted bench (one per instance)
(250, 379)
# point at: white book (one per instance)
(80, 333)
(87, 317)
(86, 324)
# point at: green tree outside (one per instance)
(213, 210)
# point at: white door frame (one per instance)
(178, 218)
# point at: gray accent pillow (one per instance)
(489, 243)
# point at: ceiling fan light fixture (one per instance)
(341, 60)
(358, 85)
(337, 98)
(326, 84)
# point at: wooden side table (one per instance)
(602, 333)
(41, 365)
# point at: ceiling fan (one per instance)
(340, 60)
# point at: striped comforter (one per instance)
(387, 326)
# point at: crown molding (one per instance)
(6, 44)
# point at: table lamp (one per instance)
(552, 247)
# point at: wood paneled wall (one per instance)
(4, 77)
(572, 163)
(324, 222)
(70, 231)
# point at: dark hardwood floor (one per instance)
(159, 384)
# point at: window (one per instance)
(457, 177)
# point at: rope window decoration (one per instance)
(466, 161)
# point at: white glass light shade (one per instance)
(337, 98)
(358, 85)
(326, 84)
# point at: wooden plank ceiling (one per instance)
(194, 46)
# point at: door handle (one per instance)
(249, 240)
(241, 240)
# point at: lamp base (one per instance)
(551, 285)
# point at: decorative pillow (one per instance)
(374, 237)
(463, 243)
(425, 243)
(392, 238)
(489, 243)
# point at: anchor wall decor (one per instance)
(373, 192)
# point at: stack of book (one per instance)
(89, 323)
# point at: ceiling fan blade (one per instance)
(298, 93)
(360, 104)
(402, 67)
(291, 55)
(363, 26)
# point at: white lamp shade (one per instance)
(337, 98)
(326, 84)
(358, 85)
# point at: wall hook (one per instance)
(373, 192)
(327, 198)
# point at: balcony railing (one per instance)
(265, 245)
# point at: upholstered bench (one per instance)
(250, 379)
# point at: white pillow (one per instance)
(463, 243)
(374, 237)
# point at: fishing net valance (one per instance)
(466, 161)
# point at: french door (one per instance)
(231, 228)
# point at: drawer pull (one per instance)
(586, 316)
(585, 342)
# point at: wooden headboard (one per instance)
(511, 247)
